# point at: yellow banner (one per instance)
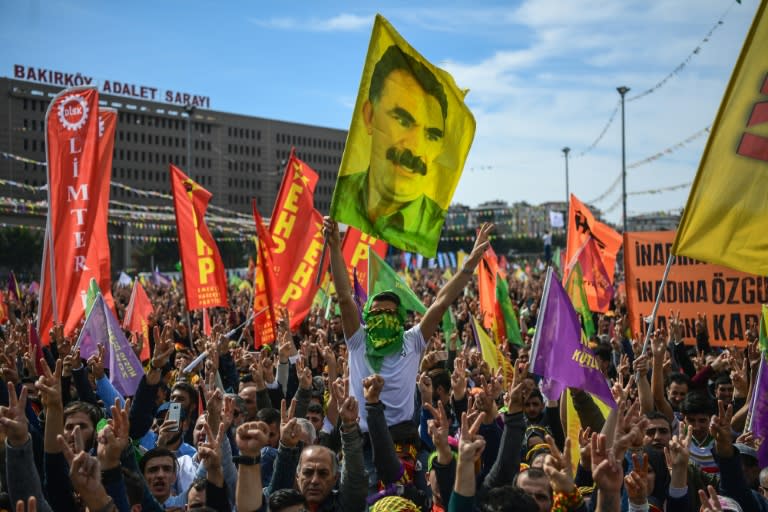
(726, 217)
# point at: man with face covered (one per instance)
(382, 345)
(405, 117)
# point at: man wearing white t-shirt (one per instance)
(382, 345)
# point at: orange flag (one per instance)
(3, 309)
(75, 238)
(297, 232)
(107, 126)
(206, 322)
(205, 282)
(137, 317)
(354, 248)
(486, 287)
(264, 329)
(582, 225)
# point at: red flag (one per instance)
(137, 317)
(107, 126)
(74, 229)
(205, 282)
(264, 329)
(582, 225)
(3, 309)
(354, 247)
(206, 322)
(297, 232)
(34, 342)
(486, 288)
(597, 284)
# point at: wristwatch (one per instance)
(244, 460)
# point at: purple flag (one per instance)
(557, 354)
(33, 288)
(14, 291)
(360, 296)
(160, 279)
(759, 416)
(101, 326)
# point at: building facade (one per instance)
(237, 158)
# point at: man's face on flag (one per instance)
(407, 128)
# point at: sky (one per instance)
(542, 75)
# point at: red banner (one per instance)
(137, 317)
(264, 291)
(107, 127)
(205, 282)
(730, 299)
(582, 224)
(354, 247)
(297, 232)
(76, 188)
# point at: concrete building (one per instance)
(235, 157)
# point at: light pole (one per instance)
(189, 109)
(622, 91)
(566, 150)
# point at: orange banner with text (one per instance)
(297, 233)
(75, 231)
(730, 299)
(205, 282)
(354, 247)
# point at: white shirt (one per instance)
(398, 371)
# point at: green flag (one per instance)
(556, 260)
(575, 289)
(449, 325)
(764, 329)
(511, 326)
(90, 298)
(382, 277)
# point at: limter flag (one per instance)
(557, 353)
(724, 220)
(205, 282)
(407, 144)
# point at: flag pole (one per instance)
(755, 385)
(670, 260)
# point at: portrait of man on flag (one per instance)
(407, 144)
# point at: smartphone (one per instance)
(442, 355)
(174, 414)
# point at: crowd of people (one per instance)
(375, 409)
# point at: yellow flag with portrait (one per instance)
(407, 144)
(726, 217)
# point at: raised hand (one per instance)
(13, 419)
(114, 438)
(585, 452)
(471, 445)
(637, 480)
(304, 374)
(49, 386)
(290, 431)
(481, 244)
(677, 453)
(251, 437)
(439, 427)
(96, 362)
(513, 399)
(557, 466)
(459, 378)
(606, 470)
(709, 500)
(720, 429)
(424, 383)
(209, 452)
(372, 386)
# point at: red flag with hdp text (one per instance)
(264, 291)
(297, 233)
(205, 282)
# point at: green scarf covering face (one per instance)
(383, 334)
